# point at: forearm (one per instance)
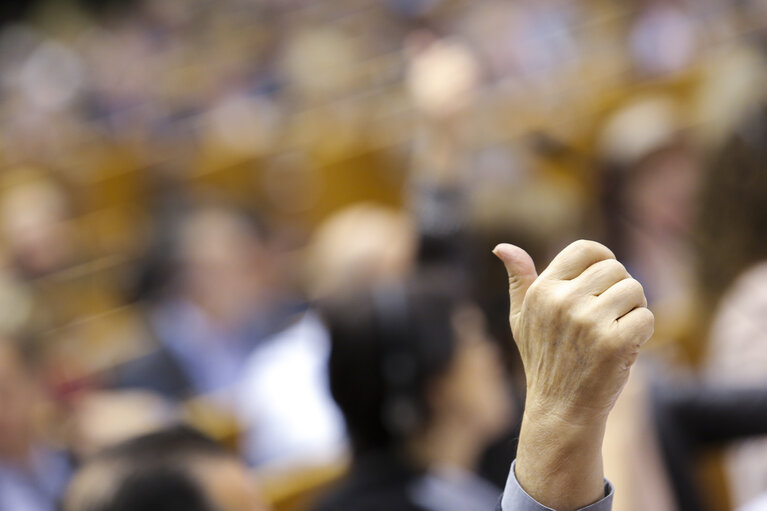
(559, 463)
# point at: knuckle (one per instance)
(582, 318)
(635, 287)
(640, 295)
(589, 247)
(648, 320)
(560, 298)
(642, 327)
(583, 246)
(615, 266)
(612, 269)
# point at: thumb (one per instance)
(521, 270)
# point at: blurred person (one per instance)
(378, 245)
(33, 473)
(649, 183)
(688, 417)
(213, 297)
(652, 175)
(35, 212)
(732, 231)
(727, 407)
(230, 332)
(46, 258)
(173, 469)
(423, 392)
(650, 179)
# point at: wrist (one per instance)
(559, 462)
(572, 410)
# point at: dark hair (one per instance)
(388, 345)
(161, 488)
(732, 221)
(176, 444)
(154, 474)
(158, 266)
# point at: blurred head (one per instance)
(214, 255)
(360, 246)
(732, 219)
(101, 418)
(35, 214)
(473, 392)
(220, 250)
(660, 191)
(651, 172)
(407, 362)
(175, 469)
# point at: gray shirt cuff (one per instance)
(516, 499)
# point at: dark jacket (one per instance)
(382, 481)
(376, 482)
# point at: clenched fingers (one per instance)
(637, 326)
(621, 298)
(600, 276)
(575, 259)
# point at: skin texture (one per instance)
(579, 327)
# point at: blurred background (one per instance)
(182, 182)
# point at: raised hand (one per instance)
(579, 327)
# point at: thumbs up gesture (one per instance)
(579, 327)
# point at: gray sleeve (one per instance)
(516, 499)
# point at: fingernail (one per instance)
(500, 250)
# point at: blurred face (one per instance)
(35, 227)
(474, 391)
(662, 195)
(223, 265)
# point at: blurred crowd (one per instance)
(203, 203)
